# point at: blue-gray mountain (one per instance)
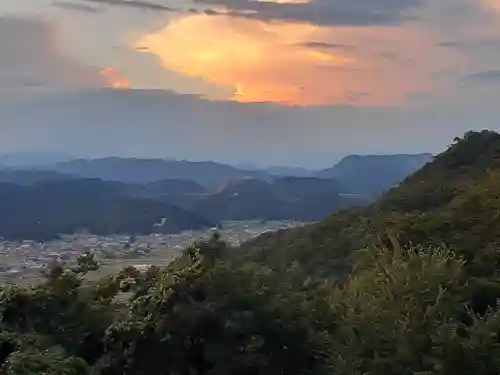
(118, 195)
(372, 175)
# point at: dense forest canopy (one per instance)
(408, 285)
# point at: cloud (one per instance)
(318, 12)
(31, 60)
(76, 6)
(32, 63)
(322, 12)
(260, 62)
(477, 43)
(114, 79)
(454, 44)
(329, 46)
(492, 4)
(135, 4)
(298, 63)
(484, 77)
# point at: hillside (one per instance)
(42, 204)
(143, 171)
(287, 198)
(452, 200)
(168, 190)
(46, 209)
(175, 187)
(290, 172)
(371, 175)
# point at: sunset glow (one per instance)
(276, 62)
(261, 62)
(114, 79)
(493, 4)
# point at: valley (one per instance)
(22, 262)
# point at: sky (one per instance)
(275, 82)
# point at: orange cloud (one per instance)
(114, 79)
(261, 61)
(493, 4)
(275, 61)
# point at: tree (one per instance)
(201, 318)
(32, 361)
(404, 312)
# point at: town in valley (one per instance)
(24, 261)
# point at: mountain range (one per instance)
(117, 195)
(140, 171)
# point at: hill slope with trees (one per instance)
(285, 198)
(452, 200)
(44, 210)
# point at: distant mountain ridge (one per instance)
(132, 170)
(371, 175)
(120, 194)
(368, 175)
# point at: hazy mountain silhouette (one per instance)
(371, 175)
(152, 170)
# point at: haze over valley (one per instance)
(143, 196)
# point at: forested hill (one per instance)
(46, 209)
(453, 200)
(468, 160)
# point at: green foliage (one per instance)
(392, 307)
(62, 309)
(203, 316)
(43, 362)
